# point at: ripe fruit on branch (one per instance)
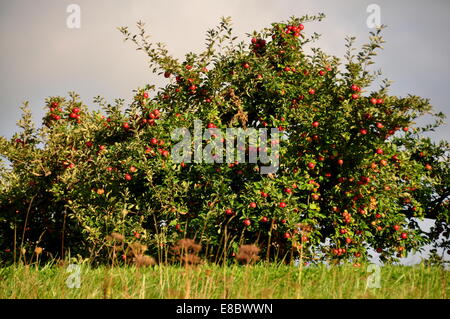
(247, 222)
(252, 205)
(355, 88)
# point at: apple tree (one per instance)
(355, 173)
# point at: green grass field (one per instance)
(212, 281)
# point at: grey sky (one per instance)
(41, 57)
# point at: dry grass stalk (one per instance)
(186, 245)
(187, 251)
(137, 249)
(118, 237)
(38, 251)
(144, 261)
(248, 254)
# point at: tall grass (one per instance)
(261, 280)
